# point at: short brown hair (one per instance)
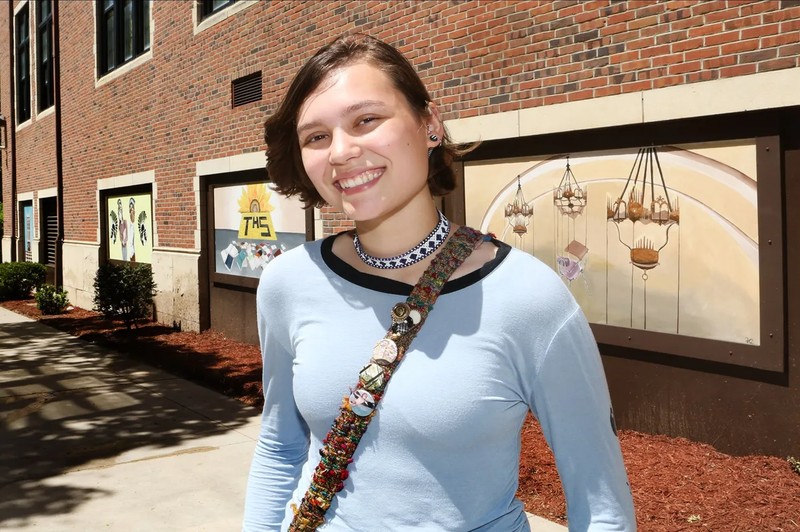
(284, 162)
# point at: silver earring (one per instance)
(434, 138)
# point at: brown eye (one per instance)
(312, 139)
(368, 120)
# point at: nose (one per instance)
(343, 147)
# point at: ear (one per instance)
(434, 125)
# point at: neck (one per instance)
(397, 232)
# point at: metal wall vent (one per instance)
(246, 89)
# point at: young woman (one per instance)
(357, 130)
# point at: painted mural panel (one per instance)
(27, 231)
(252, 226)
(661, 239)
(130, 227)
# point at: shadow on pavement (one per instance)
(67, 405)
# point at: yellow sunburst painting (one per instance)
(255, 208)
(255, 198)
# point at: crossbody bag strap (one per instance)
(358, 408)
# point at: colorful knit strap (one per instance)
(360, 406)
(443, 265)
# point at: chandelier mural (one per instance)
(518, 212)
(569, 199)
(649, 205)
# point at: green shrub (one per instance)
(51, 300)
(794, 464)
(18, 279)
(124, 291)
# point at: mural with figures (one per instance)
(659, 238)
(130, 228)
(252, 226)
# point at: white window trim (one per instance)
(235, 163)
(219, 16)
(47, 193)
(47, 112)
(148, 177)
(121, 70)
(23, 197)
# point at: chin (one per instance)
(366, 210)
(361, 215)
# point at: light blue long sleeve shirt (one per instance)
(442, 453)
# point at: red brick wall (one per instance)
(6, 46)
(486, 57)
(334, 222)
(35, 142)
(476, 57)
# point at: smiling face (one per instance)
(363, 146)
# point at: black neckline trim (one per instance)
(390, 286)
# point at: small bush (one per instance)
(124, 291)
(18, 279)
(51, 300)
(794, 464)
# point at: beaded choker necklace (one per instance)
(412, 256)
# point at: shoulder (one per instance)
(533, 277)
(527, 288)
(288, 269)
(288, 262)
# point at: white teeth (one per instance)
(360, 179)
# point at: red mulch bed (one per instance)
(677, 484)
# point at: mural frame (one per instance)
(137, 190)
(770, 354)
(240, 178)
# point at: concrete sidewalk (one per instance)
(90, 440)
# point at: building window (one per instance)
(206, 8)
(44, 55)
(123, 32)
(23, 61)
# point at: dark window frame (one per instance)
(209, 183)
(22, 70)
(44, 55)
(206, 8)
(111, 41)
(48, 234)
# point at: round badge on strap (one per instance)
(361, 402)
(371, 376)
(385, 351)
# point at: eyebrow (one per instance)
(358, 106)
